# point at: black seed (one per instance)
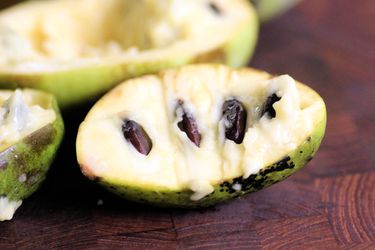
(189, 126)
(137, 136)
(235, 116)
(215, 8)
(268, 106)
(309, 138)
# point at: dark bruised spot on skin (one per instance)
(41, 139)
(33, 177)
(20, 160)
(260, 180)
(308, 139)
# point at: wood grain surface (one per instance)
(330, 204)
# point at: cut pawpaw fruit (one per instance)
(31, 130)
(78, 49)
(199, 135)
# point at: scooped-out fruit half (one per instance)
(31, 129)
(78, 49)
(200, 134)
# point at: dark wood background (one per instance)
(330, 204)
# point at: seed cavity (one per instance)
(213, 6)
(189, 125)
(268, 106)
(234, 115)
(137, 136)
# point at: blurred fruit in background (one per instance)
(78, 49)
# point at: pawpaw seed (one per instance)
(189, 125)
(137, 136)
(234, 115)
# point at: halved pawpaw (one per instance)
(199, 135)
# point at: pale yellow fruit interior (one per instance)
(8, 208)
(56, 34)
(21, 115)
(175, 163)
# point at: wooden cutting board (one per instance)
(329, 204)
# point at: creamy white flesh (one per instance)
(8, 208)
(175, 162)
(19, 117)
(58, 34)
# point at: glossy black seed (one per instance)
(234, 115)
(268, 106)
(137, 136)
(189, 125)
(215, 8)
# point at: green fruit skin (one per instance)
(224, 191)
(73, 87)
(269, 9)
(31, 157)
